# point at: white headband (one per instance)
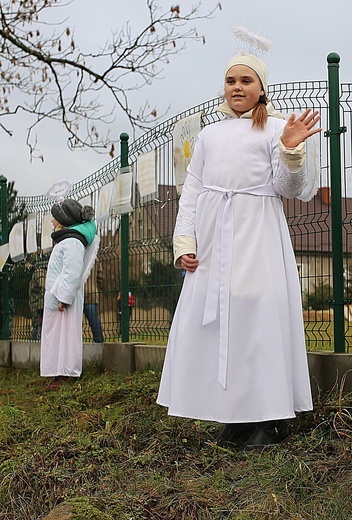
(254, 63)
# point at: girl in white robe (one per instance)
(236, 351)
(69, 263)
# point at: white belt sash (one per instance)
(218, 291)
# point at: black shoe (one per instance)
(234, 432)
(268, 433)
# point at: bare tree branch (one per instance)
(55, 80)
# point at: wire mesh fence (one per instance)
(154, 283)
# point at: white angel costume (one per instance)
(236, 351)
(61, 343)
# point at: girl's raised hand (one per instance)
(298, 129)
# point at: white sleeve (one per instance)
(68, 282)
(297, 170)
(313, 168)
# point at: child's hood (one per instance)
(87, 229)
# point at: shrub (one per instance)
(317, 298)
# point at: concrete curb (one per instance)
(26, 354)
(123, 358)
(327, 370)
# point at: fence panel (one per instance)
(346, 147)
(154, 283)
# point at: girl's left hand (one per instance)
(299, 129)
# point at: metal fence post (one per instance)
(338, 301)
(125, 313)
(5, 330)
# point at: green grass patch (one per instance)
(102, 447)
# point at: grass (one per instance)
(102, 446)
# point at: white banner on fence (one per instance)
(4, 254)
(16, 242)
(184, 137)
(146, 171)
(123, 192)
(47, 229)
(104, 202)
(31, 235)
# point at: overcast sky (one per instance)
(304, 33)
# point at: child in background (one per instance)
(75, 246)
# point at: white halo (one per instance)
(256, 42)
(59, 189)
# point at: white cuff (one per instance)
(293, 158)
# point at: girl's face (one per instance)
(242, 88)
(54, 222)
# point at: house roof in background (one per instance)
(309, 222)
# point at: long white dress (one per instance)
(236, 350)
(61, 341)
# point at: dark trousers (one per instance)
(91, 312)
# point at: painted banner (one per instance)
(4, 254)
(31, 235)
(16, 242)
(184, 138)
(122, 196)
(104, 202)
(47, 229)
(146, 172)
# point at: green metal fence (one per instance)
(151, 278)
